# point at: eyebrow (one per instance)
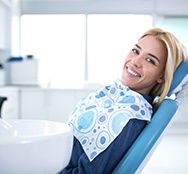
(152, 55)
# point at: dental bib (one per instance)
(100, 117)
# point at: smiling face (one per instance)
(144, 65)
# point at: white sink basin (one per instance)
(34, 146)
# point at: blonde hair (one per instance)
(176, 53)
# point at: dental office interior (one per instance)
(54, 52)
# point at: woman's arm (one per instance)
(105, 162)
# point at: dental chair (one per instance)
(144, 146)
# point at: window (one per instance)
(76, 48)
(110, 38)
(177, 25)
(58, 41)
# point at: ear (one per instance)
(160, 79)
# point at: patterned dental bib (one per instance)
(100, 117)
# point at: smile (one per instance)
(133, 73)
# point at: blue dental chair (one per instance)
(140, 152)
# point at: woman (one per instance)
(107, 122)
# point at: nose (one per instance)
(137, 61)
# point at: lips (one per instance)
(135, 74)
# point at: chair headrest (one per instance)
(180, 78)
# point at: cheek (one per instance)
(128, 57)
(152, 73)
(156, 77)
(124, 65)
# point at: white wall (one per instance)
(5, 25)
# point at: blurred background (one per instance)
(53, 52)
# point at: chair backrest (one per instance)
(180, 78)
(140, 152)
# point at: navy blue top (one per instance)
(105, 162)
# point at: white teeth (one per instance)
(133, 73)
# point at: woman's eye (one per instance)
(151, 61)
(135, 51)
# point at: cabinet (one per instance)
(32, 103)
(49, 104)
